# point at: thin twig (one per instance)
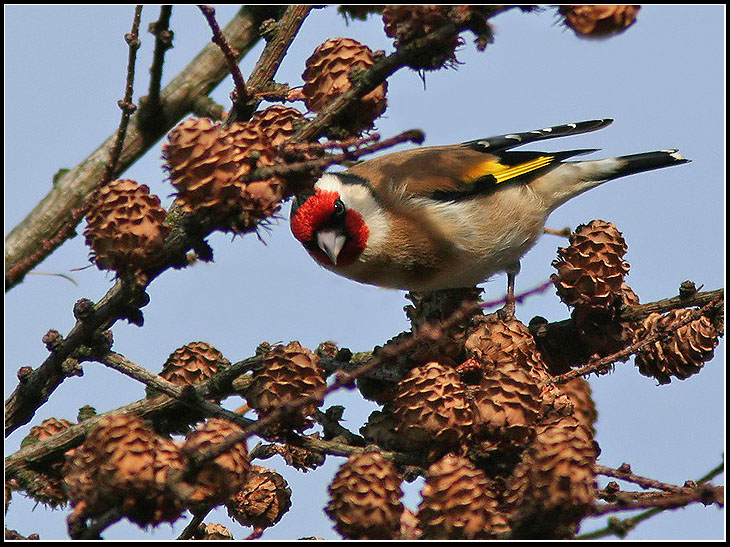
(621, 528)
(278, 40)
(641, 311)
(192, 530)
(189, 397)
(98, 525)
(151, 105)
(240, 95)
(671, 500)
(163, 42)
(624, 473)
(279, 36)
(518, 298)
(288, 169)
(125, 104)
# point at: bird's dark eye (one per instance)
(339, 210)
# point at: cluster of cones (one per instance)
(590, 278)
(212, 165)
(126, 464)
(502, 448)
(506, 451)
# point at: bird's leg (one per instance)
(508, 310)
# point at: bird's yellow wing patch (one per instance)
(501, 172)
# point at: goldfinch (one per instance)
(450, 216)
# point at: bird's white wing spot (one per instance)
(675, 154)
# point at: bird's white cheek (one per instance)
(377, 225)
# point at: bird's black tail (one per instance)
(572, 178)
(636, 163)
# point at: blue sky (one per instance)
(663, 82)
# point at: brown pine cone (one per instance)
(46, 485)
(380, 429)
(168, 459)
(288, 374)
(459, 502)
(327, 76)
(599, 21)
(123, 463)
(79, 482)
(206, 163)
(408, 23)
(437, 306)
(680, 355)
(125, 227)
(220, 478)
(278, 123)
(508, 403)
(190, 364)
(262, 501)
(495, 342)
(591, 269)
(365, 498)
(554, 485)
(253, 148)
(592, 333)
(193, 363)
(299, 457)
(579, 392)
(599, 330)
(215, 531)
(431, 409)
(48, 428)
(394, 361)
(199, 157)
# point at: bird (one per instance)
(444, 217)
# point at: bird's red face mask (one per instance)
(333, 234)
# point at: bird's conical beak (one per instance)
(331, 242)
